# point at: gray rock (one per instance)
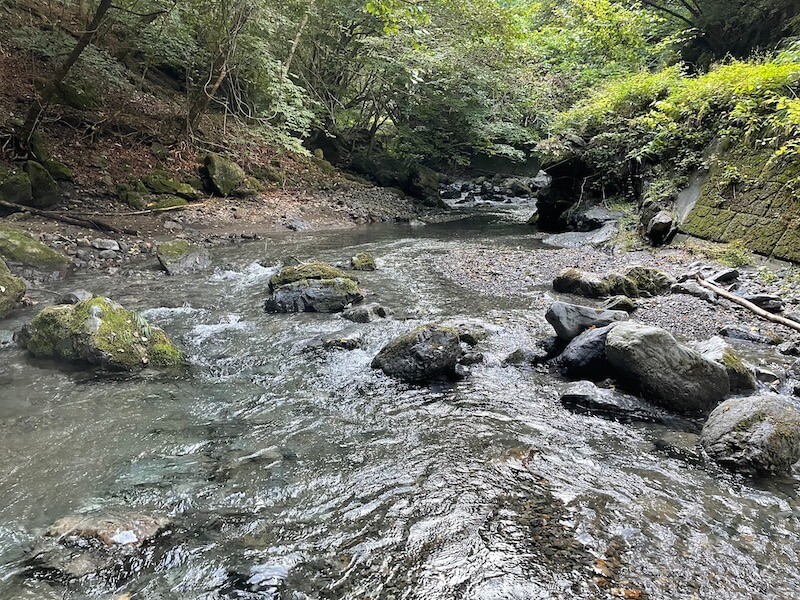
(421, 354)
(692, 288)
(471, 358)
(584, 397)
(595, 218)
(768, 302)
(736, 333)
(769, 377)
(585, 356)
(366, 313)
(179, 257)
(758, 433)
(314, 295)
(725, 276)
(740, 375)
(620, 303)
(579, 239)
(363, 261)
(108, 255)
(660, 227)
(676, 377)
(790, 348)
(580, 283)
(104, 244)
(570, 320)
(75, 297)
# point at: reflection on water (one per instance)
(304, 474)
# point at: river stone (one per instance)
(650, 281)
(666, 372)
(620, 303)
(585, 356)
(363, 261)
(29, 257)
(105, 244)
(314, 295)
(99, 332)
(570, 320)
(366, 313)
(425, 352)
(768, 302)
(179, 257)
(758, 433)
(579, 239)
(75, 297)
(741, 377)
(12, 289)
(580, 283)
(584, 397)
(44, 189)
(692, 288)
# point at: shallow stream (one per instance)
(297, 474)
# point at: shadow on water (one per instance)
(298, 474)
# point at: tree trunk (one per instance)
(296, 42)
(42, 101)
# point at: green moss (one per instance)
(173, 250)
(58, 170)
(305, 271)
(161, 182)
(223, 176)
(16, 246)
(648, 281)
(44, 189)
(12, 290)
(160, 202)
(15, 186)
(363, 261)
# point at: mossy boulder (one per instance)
(161, 182)
(317, 270)
(44, 189)
(179, 257)
(741, 377)
(649, 281)
(58, 170)
(756, 434)
(153, 202)
(224, 177)
(12, 289)
(99, 332)
(635, 282)
(423, 353)
(30, 257)
(425, 186)
(363, 261)
(314, 295)
(15, 186)
(75, 97)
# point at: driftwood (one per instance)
(88, 222)
(748, 305)
(149, 211)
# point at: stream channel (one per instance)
(296, 473)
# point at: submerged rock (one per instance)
(424, 353)
(179, 257)
(99, 332)
(585, 397)
(759, 433)
(30, 257)
(570, 320)
(741, 377)
(666, 372)
(367, 313)
(12, 289)
(363, 261)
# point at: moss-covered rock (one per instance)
(75, 97)
(161, 182)
(99, 332)
(316, 270)
(363, 261)
(15, 186)
(423, 353)
(12, 289)
(157, 202)
(58, 170)
(44, 189)
(29, 256)
(649, 281)
(224, 177)
(179, 257)
(271, 174)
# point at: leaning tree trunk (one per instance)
(43, 99)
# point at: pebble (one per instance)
(105, 244)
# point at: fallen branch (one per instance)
(71, 220)
(748, 305)
(149, 211)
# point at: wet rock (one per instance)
(741, 376)
(45, 192)
(12, 290)
(314, 295)
(664, 371)
(179, 257)
(585, 397)
(620, 303)
(75, 297)
(424, 353)
(660, 228)
(29, 257)
(363, 261)
(725, 276)
(471, 358)
(759, 433)
(367, 313)
(585, 356)
(99, 332)
(570, 320)
(470, 332)
(737, 333)
(347, 339)
(791, 348)
(769, 377)
(692, 288)
(768, 302)
(292, 273)
(103, 244)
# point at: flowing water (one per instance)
(299, 474)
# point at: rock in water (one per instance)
(179, 257)
(425, 352)
(585, 397)
(363, 261)
(585, 356)
(741, 377)
(30, 257)
(666, 372)
(312, 287)
(99, 332)
(570, 320)
(758, 433)
(366, 313)
(12, 290)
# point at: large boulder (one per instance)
(224, 177)
(581, 283)
(650, 281)
(44, 189)
(29, 257)
(424, 185)
(179, 257)
(160, 182)
(664, 371)
(741, 376)
(570, 320)
(425, 352)
(312, 287)
(15, 186)
(12, 289)
(635, 282)
(100, 332)
(758, 433)
(585, 356)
